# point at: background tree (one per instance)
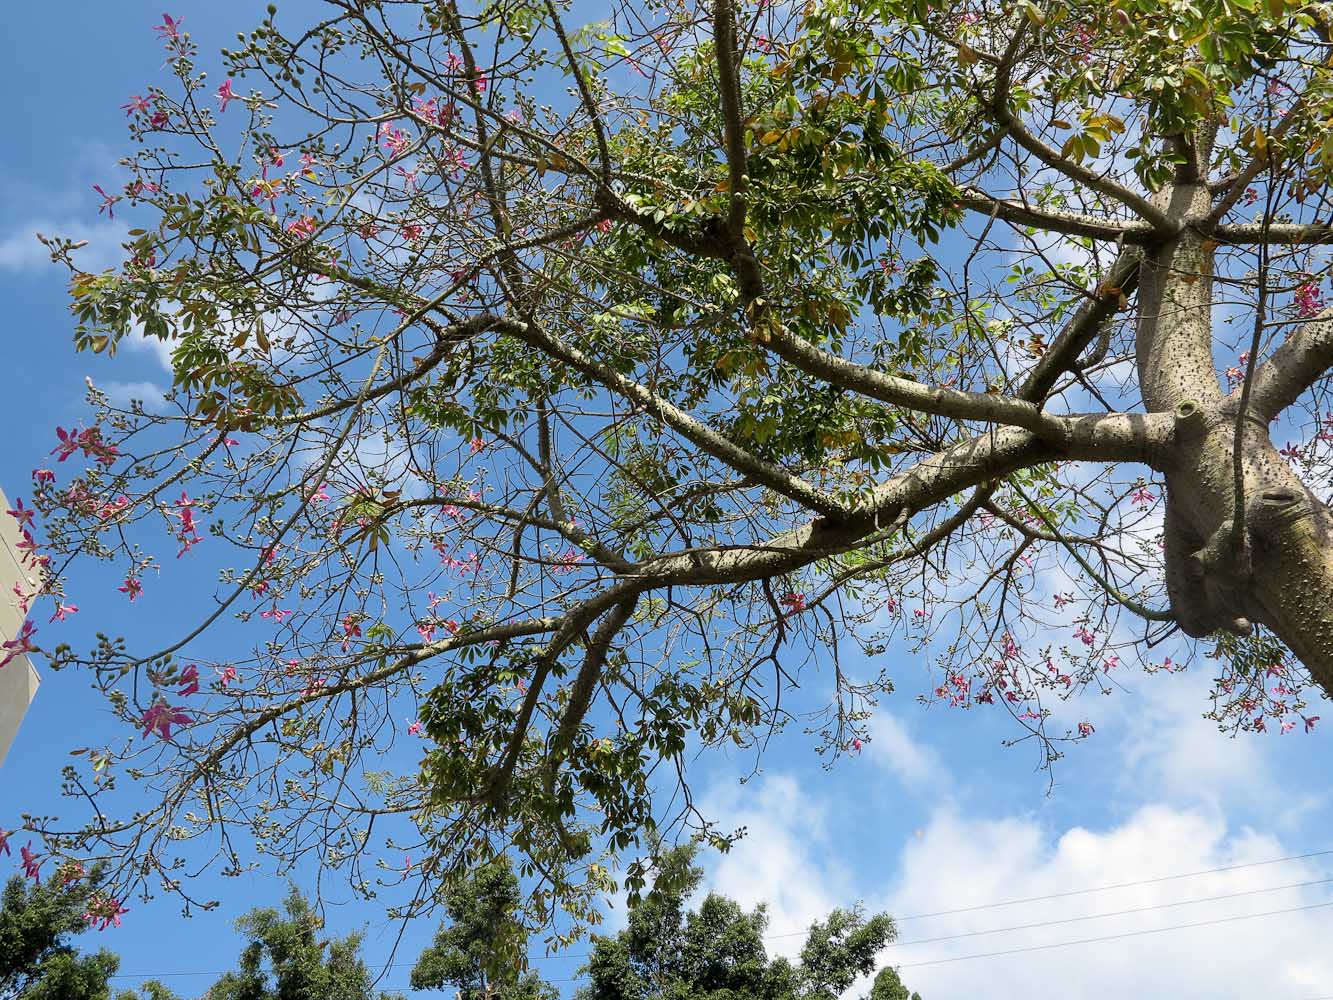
(554, 393)
(37, 921)
(717, 951)
(287, 959)
(480, 953)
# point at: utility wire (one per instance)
(1113, 913)
(1106, 888)
(968, 934)
(1114, 937)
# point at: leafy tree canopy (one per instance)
(547, 396)
(480, 952)
(287, 958)
(38, 961)
(717, 951)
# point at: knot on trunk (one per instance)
(1210, 580)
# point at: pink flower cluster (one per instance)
(188, 535)
(89, 440)
(1309, 301)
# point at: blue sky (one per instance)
(935, 814)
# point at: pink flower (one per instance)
(189, 681)
(1287, 727)
(68, 444)
(1309, 722)
(565, 562)
(426, 631)
(4, 841)
(920, 614)
(1110, 663)
(277, 614)
(108, 201)
(856, 745)
(604, 226)
(43, 476)
(105, 911)
(1308, 300)
(393, 139)
(892, 606)
(137, 104)
(63, 611)
(1085, 729)
(1084, 636)
(794, 603)
(411, 231)
(132, 587)
(302, 228)
(225, 96)
(1142, 497)
(24, 599)
(226, 675)
(32, 865)
(20, 644)
(1062, 599)
(1291, 453)
(1251, 196)
(170, 28)
(477, 445)
(453, 63)
(414, 729)
(316, 683)
(161, 717)
(21, 514)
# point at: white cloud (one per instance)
(959, 863)
(783, 860)
(156, 346)
(914, 763)
(793, 859)
(21, 252)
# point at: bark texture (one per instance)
(1276, 569)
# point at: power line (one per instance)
(1115, 885)
(1113, 937)
(929, 940)
(973, 909)
(1113, 913)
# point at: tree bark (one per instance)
(1278, 570)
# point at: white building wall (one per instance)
(18, 679)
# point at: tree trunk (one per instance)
(1277, 570)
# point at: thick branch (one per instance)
(1290, 234)
(585, 683)
(956, 403)
(1006, 119)
(1069, 223)
(1304, 358)
(1063, 354)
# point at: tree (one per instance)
(480, 951)
(566, 425)
(716, 952)
(286, 959)
(37, 960)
